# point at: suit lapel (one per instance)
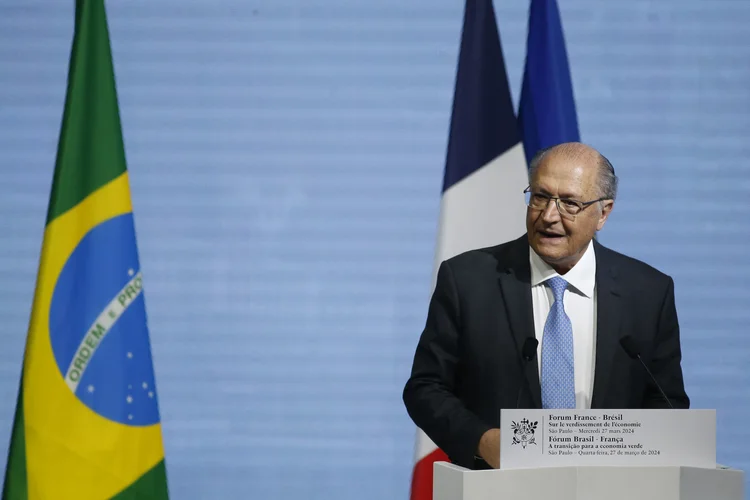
(607, 324)
(515, 285)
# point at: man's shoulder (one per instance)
(508, 253)
(629, 268)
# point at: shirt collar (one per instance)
(582, 276)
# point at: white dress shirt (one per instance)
(580, 305)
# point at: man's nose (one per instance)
(550, 212)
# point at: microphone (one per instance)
(528, 353)
(631, 348)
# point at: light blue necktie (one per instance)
(558, 377)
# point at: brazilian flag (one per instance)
(87, 420)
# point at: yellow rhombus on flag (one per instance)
(87, 420)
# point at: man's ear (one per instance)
(607, 206)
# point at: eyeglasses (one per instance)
(566, 207)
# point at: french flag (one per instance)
(486, 167)
(485, 172)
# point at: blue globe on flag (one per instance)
(98, 327)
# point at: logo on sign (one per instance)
(523, 432)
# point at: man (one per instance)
(558, 285)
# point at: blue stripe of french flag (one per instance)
(547, 112)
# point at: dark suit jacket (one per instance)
(467, 365)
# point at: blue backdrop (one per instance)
(286, 160)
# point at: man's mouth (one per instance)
(550, 234)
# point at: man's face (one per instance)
(558, 240)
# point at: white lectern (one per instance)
(452, 482)
(598, 455)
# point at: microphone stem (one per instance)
(655, 382)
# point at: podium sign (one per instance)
(564, 438)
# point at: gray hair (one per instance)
(607, 178)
